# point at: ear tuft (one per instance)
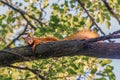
(28, 35)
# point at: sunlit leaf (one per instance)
(71, 71)
(108, 24)
(105, 61)
(74, 66)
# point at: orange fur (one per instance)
(35, 41)
(80, 35)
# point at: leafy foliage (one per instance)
(59, 18)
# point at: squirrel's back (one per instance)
(80, 35)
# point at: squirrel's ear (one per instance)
(26, 36)
(29, 35)
(23, 37)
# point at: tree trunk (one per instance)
(59, 49)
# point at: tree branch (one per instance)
(15, 54)
(82, 5)
(20, 11)
(17, 36)
(113, 35)
(110, 10)
(64, 48)
(34, 71)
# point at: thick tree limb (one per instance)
(64, 48)
(61, 48)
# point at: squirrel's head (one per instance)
(28, 39)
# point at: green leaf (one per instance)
(107, 16)
(105, 62)
(101, 74)
(82, 22)
(109, 68)
(88, 23)
(93, 71)
(26, 0)
(73, 65)
(54, 18)
(27, 75)
(75, 19)
(7, 79)
(4, 26)
(100, 78)
(71, 71)
(52, 72)
(111, 76)
(101, 18)
(108, 24)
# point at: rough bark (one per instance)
(59, 49)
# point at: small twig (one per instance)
(17, 36)
(82, 5)
(28, 21)
(106, 37)
(91, 25)
(41, 24)
(34, 71)
(43, 11)
(110, 10)
(21, 12)
(116, 32)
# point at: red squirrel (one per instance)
(79, 35)
(35, 41)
